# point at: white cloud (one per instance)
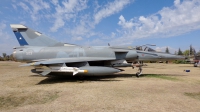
(68, 10)
(69, 15)
(163, 49)
(37, 6)
(4, 36)
(87, 23)
(3, 26)
(33, 8)
(6, 42)
(96, 42)
(23, 22)
(23, 6)
(82, 28)
(176, 2)
(55, 2)
(96, 6)
(183, 17)
(77, 38)
(14, 6)
(113, 35)
(109, 9)
(124, 23)
(58, 23)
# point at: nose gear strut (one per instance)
(139, 65)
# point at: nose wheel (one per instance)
(139, 65)
(139, 72)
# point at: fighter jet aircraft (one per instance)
(49, 56)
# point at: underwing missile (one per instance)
(86, 70)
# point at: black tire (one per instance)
(137, 75)
(195, 64)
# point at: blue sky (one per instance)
(166, 23)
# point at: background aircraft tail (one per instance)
(27, 36)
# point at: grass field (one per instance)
(162, 88)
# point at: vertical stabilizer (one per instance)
(27, 36)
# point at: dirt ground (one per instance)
(162, 88)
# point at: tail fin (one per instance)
(27, 36)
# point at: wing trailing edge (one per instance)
(68, 60)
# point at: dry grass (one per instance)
(194, 95)
(161, 77)
(25, 98)
(163, 88)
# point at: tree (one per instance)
(167, 50)
(198, 53)
(180, 52)
(186, 52)
(4, 56)
(7, 57)
(11, 57)
(192, 50)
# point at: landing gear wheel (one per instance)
(195, 64)
(139, 68)
(137, 75)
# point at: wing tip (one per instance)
(17, 26)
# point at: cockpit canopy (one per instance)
(145, 48)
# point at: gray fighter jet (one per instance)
(49, 56)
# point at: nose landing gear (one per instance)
(139, 65)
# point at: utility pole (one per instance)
(189, 52)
